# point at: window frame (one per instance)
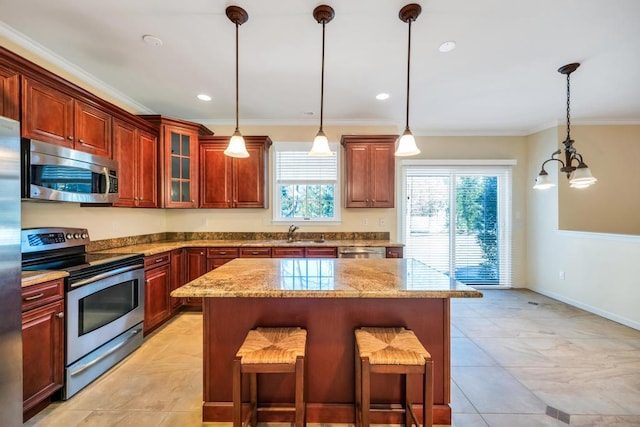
(337, 193)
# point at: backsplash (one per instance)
(105, 244)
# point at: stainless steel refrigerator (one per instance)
(10, 266)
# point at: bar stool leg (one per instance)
(408, 419)
(358, 385)
(366, 392)
(253, 389)
(237, 393)
(300, 404)
(427, 398)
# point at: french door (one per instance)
(457, 219)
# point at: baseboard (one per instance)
(607, 315)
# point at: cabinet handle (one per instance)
(70, 137)
(222, 252)
(201, 253)
(31, 298)
(81, 140)
(60, 315)
(159, 260)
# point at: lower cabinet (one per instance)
(196, 266)
(157, 308)
(42, 344)
(395, 252)
(178, 276)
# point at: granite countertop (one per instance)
(163, 246)
(30, 278)
(325, 278)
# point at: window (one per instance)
(305, 188)
(457, 219)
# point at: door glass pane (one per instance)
(185, 192)
(103, 307)
(186, 171)
(185, 145)
(175, 191)
(175, 143)
(175, 167)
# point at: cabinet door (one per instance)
(394, 252)
(156, 303)
(215, 177)
(382, 174)
(124, 152)
(249, 189)
(47, 114)
(92, 130)
(9, 93)
(42, 352)
(196, 267)
(147, 170)
(177, 275)
(181, 167)
(357, 171)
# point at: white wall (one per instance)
(602, 272)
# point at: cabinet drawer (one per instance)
(222, 253)
(157, 260)
(320, 252)
(255, 252)
(287, 252)
(42, 293)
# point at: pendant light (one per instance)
(580, 175)
(323, 15)
(407, 144)
(236, 147)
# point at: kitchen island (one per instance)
(329, 298)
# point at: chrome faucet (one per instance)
(292, 229)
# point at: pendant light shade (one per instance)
(407, 143)
(323, 14)
(236, 147)
(579, 176)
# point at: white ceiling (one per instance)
(501, 78)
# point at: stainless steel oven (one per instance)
(104, 300)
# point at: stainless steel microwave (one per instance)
(52, 172)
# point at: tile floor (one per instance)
(519, 359)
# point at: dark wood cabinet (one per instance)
(370, 171)
(323, 252)
(9, 93)
(42, 344)
(157, 275)
(196, 261)
(227, 182)
(178, 276)
(395, 252)
(137, 154)
(255, 252)
(53, 116)
(178, 160)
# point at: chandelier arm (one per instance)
(549, 160)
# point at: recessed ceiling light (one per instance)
(382, 96)
(204, 97)
(447, 46)
(151, 40)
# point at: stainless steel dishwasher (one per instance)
(361, 252)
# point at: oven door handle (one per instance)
(105, 355)
(105, 275)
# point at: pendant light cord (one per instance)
(237, 90)
(322, 80)
(408, 68)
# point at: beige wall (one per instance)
(613, 204)
(600, 270)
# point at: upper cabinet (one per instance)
(53, 116)
(178, 160)
(9, 93)
(227, 182)
(137, 154)
(369, 170)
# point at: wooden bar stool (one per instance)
(391, 351)
(269, 351)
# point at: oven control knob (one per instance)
(69, 236)
(76, 235)
(84, 235)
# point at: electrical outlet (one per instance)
(382, 222)
(561, 275)
(365, 221)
